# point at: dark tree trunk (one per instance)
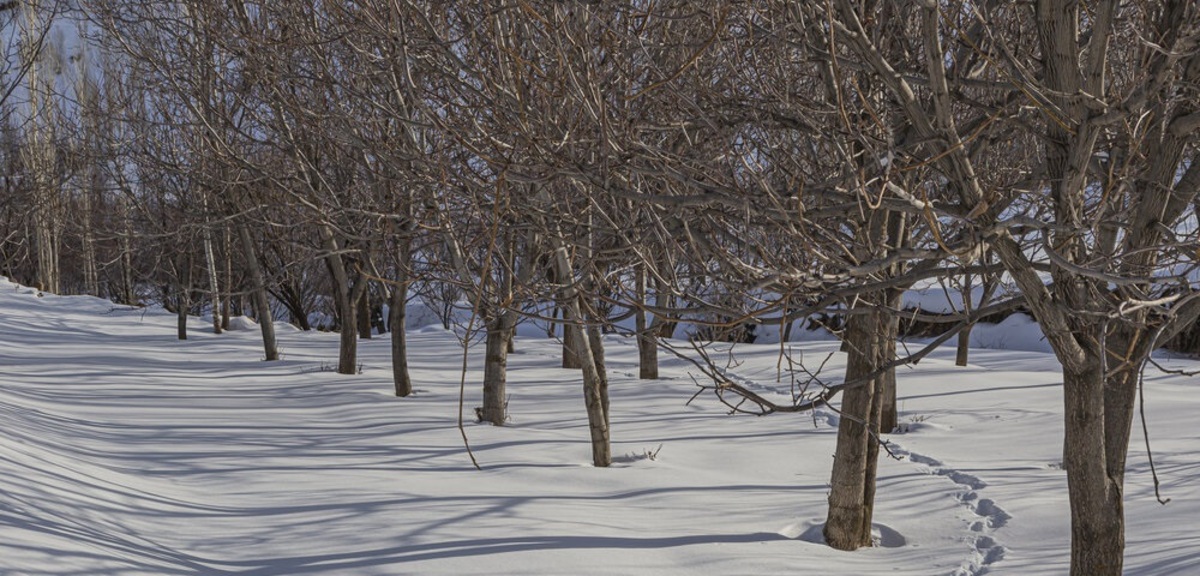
(1097, 509)
(348, 339)
(396, 321)
(258, 289)
(963, 350)
(184, 299)
(364, 315)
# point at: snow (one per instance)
(126, 452)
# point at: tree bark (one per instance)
(364, 315)
(647, 343)
(345, 300)
(1097, 510)
(594, 381)
(210, 260)
(495, 369)
(852, 485)
(888, 333)
(596, 343)
(183, 301)
(258, 290)
(225, 300)
(962, 351)
(396, 320)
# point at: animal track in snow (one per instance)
(986, 550)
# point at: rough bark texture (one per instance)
(1097, 510)
(852, 486)
(495, 369)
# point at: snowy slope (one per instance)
(126, 452)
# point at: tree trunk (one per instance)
(345, 302)
(364, 315)
(1097, 510)
(596, 343)
(348, 338)
(647, 343)
(888, 333)
(852, 484)
(91, 276)
(570, 359)
(128, 290)
(210, 259)
(963, 349)
(184, 300)
(495, 369)
(396, 320)
(595, 389)
(258, 289)
(225, 300)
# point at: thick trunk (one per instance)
(396, 320)
(258, 289)
(852, 484)
(1097, 510)
(1127, 346)
(495, 370)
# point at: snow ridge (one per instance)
(986, 551)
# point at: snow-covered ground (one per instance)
(127, 452)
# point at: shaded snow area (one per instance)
(127, 452)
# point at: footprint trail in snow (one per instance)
(987, 551)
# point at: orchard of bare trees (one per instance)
(731, 166)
